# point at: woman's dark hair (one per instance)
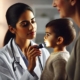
(63, 27)
(12, 16)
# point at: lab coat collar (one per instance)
(16, 53)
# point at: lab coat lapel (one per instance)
(18, 56)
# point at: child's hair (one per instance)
(63, 27)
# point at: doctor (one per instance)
(19, 58)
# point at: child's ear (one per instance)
(12, 30)
(60, 40)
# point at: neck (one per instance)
(23, 44)
(76, 18)
(57, 49)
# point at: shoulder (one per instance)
(77, 45)
(64, 55)
(5, 53)
(60, 59)
(75, 54)
(60, 56)
(3, 50)
(3, 56)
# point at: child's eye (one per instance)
(47, 34)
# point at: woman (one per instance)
(20, 58)
(71, 8)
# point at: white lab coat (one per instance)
(21, 72)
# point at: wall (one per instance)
(4, 4)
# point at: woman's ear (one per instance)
(11, 29)
(73, 2)
(60, 40)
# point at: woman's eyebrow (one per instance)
(23, 21)
(26, 20)
(33, 18)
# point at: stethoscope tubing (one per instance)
(15, 62)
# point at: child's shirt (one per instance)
(55, 68)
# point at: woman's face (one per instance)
(49, 38)
(26, 26)
(63, 7)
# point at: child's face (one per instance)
(49, 38)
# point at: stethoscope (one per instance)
(16, 62)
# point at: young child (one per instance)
(59, 34)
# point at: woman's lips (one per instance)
(31, 33)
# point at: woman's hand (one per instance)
(31, 55)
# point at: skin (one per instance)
(25, 31)
(49, 38)
(52, 41)
(68, 8)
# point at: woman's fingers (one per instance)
(31, 47)
(32, 53)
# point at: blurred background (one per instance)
(44, 12)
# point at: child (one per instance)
(59, 34)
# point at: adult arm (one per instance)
(77, 58)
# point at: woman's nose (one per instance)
(31, 26)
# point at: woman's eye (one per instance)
(33, 21)
(25, 24)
